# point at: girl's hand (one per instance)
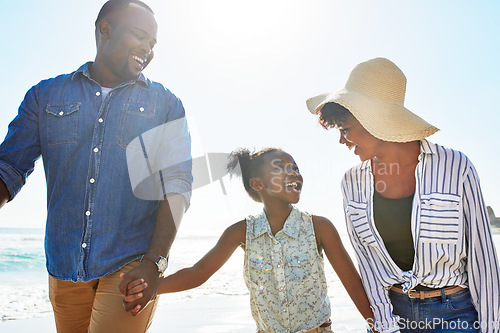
(134, 289)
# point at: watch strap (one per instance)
(151, 257)
(160, 262)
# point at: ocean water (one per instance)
(22, 274)
(21, 250)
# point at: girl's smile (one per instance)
(281, 178)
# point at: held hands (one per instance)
(139, 287)
(134, 293)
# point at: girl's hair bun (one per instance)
(249, 166)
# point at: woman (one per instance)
(414, 211)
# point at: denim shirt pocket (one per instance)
(137, 118)
(62, 123)
(439, 218)
(358, 215)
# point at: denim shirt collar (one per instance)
(85, 71)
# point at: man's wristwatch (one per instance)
(161, 262)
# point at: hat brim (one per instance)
(384, 120)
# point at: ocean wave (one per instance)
(23, 303)
(14, 260)
(21, 238)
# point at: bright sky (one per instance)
(244, 69)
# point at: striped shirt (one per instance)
(450, 229)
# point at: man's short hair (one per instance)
(115, 5)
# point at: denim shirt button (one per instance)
(100, 120)
(98, 93)
(84, 245)
(96, 150)
(141, 109)
(92, 180)
(61, 113)
(87, 213)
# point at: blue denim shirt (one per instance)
(95, 224)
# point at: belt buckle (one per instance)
(409, 294)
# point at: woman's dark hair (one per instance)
(115, 5)
(250, 166)
(333, 115)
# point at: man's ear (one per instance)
(256, 184)
(104, 28)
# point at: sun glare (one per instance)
(234, 20)
(244, 27)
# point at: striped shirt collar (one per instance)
(289, 228)
(426, 148)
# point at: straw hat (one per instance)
(375, 94)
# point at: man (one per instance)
(83, 124)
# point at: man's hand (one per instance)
(148, 272)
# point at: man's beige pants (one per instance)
(96, 306)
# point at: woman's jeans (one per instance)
(448, 313)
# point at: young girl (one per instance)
(283, 267)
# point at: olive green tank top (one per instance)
(393, 221)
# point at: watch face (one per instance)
(162, 264)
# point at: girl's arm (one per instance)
(328, 238)
(192, 277)
(200, 272)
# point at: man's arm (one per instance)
(169, 167)
(20, 148)
(168, 218)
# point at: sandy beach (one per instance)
(204, 314)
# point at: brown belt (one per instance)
(326, 323)
(423, 294)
